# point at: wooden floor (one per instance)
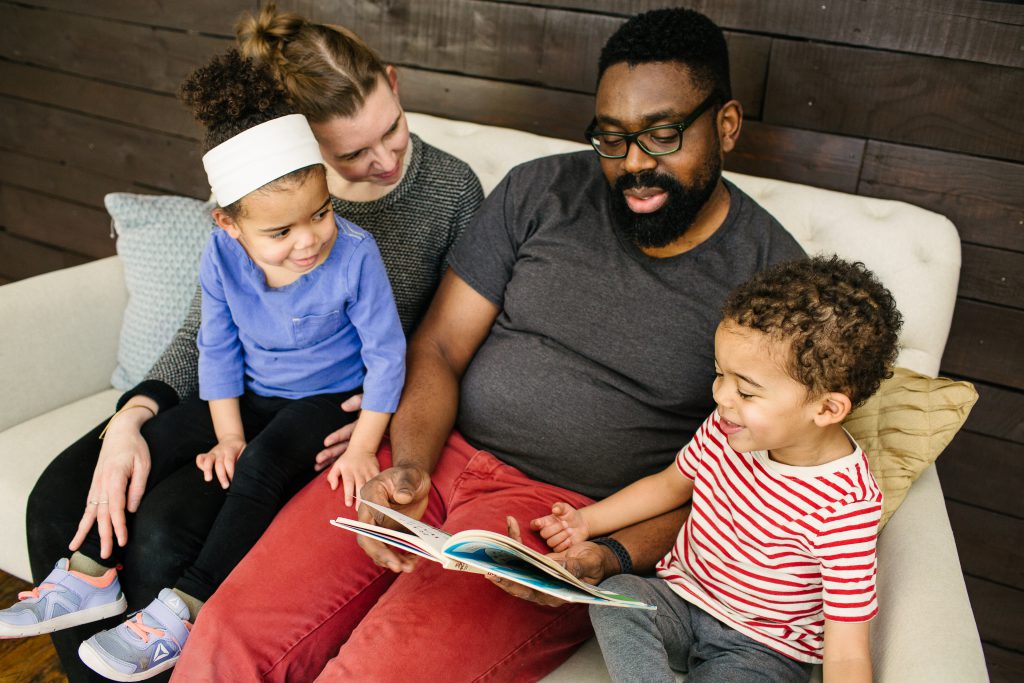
(26, 660)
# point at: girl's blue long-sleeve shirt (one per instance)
(330, 331)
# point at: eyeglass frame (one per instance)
(630, 138)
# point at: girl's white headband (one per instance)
(259, 155)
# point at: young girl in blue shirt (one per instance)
(297, 316)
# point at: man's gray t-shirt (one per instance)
(600, 363)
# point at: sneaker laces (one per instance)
(140, 629)
(36, 592)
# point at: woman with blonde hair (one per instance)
(385, 179)
(414, 199)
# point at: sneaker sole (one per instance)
(85, 616)
(96, 662)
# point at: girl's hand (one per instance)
(563, 528)
(122, 468)
(354, 470)
(221, 459)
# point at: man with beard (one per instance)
(571, 346)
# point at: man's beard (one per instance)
(670, 222)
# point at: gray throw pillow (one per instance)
(159, 240)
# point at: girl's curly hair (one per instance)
(232, 94)
(841, 324)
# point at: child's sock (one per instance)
(194, 604)
(86, 565)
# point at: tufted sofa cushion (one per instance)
(920, 247)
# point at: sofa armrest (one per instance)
(59, 337)
(925, 629)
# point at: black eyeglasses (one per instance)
(656, 141)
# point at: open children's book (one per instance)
(480, 551)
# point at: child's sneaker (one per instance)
(148, 643)
(64, 599)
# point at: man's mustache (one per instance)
(649, 178)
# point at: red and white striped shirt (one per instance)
(772, 549)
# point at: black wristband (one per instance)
(620, 552)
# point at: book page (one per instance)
(510, 546)
(485, 551)
(429, 537)
(403, 541)
(493, 558)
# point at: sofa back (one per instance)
(916, 253)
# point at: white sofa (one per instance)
(58, 344)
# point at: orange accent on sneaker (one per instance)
(97, 581)
(34, 593)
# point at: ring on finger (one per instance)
(98, 502)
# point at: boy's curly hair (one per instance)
(841, 323)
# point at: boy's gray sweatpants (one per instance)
(646, 646)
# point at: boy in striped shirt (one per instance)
(775, 564)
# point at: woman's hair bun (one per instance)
(264, 36)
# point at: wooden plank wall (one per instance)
(918, 101)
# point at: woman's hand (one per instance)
(354, 470)
(119, 479)
(587, 561)
(563, 528)
(221, 459)
(337, 442)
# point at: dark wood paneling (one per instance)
(962, 29)
(60, 180)
(538, 110)
(799, 156)
(989, 544)
(748, 69)
(938, 103)
(999, 413)
(992, 275)
(192, 15)
(984, 344)
(55, 222)
(486, 39)
(984, 472)
(984, 198)
(1000, 613)
(168, 162)
(155, 59)
(23, 258)
(1004, 666)
(145, 109)
(480, 38)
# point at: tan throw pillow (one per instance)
(904, 427)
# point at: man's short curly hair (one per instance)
(673, 35)
(840, 322)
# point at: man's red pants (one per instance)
(307, 603)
